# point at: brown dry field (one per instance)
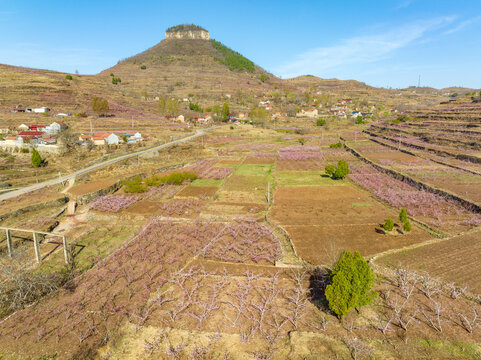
(454, 259)
(198, 191)
(91, 186)
(322, 221)
(34, 197)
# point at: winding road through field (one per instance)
(88, 169)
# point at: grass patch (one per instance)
(207, 182)
(361, 204)
(452, 349)
(303, 178)
(254, 169)
(99, 242)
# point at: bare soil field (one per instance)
(455, 259)
(198, 191)
(91, 186)
(323, 220)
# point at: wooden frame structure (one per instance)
(36, 242)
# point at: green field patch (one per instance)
(361, 204)
(206, 182)
(220, 165)
(304, 178)
(254, 169)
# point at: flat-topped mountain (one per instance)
(187, 32)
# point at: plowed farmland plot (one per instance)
(455, 259)
(323, 220)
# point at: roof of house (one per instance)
(10, 138)
(30, 133)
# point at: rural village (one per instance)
(187, 204)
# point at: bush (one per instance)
(100, 105)
(359, 120)
(36, 159)
(263, 77)
(388, 224)
(143, 67)
(173, 179)
(301, 141)
(231, 127)
(350, 284)
(407, 226)
(195, 107)
(330, 169)
(320, 122)
(336, 145)
(24, 150)
(116, 80)
(342, 170)
(134, 185)
(68, 77)
(403, 216)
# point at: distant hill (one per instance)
(189, 62)
(186, 64)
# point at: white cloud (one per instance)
(462, 25)
(359, 50)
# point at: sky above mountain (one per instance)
(383, 43)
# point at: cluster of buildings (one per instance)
(34, 134)
(101, 138)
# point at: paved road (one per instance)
(86, 170)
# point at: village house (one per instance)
(23, 127)
(242, 115)
(10, 140)
(36, 127)
(98, 140)
(180, 118)
(200, 119)
(40, 110)
(48, 141)
(31, 134)
(308, 113)
(112, 139)
(56, 127)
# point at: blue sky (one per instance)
(386, 43)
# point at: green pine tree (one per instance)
(350, 284)
(403, 216)
(36, 159)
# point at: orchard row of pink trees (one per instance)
(205, 170)
(113, 203)
(146, 282)
(434, 209)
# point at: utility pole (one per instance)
(91, 130)
(419, 81)
(268, 192)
